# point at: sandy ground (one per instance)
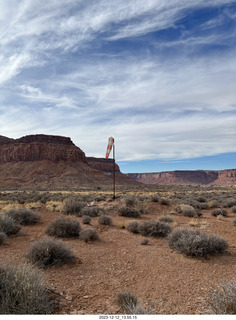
(159, 277)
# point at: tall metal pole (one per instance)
(114, 173)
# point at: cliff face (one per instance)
(52, 161)
(40, 147)
(202, 177)
(102, 164)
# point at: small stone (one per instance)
(85, 297)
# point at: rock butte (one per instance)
(53, 161)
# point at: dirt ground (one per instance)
(167, 282)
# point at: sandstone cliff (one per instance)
(198, 177)
(54, 161)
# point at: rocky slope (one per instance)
(198, 177)
(52, 161)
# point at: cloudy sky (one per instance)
(159, 76)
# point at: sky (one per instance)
(159, 76)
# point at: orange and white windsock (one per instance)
(109, 146)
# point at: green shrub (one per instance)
(64, 227)
(73, 206)
(129, 212)
(3, 237)
(23, 291)
(154, 229)
(223, 299)
(133, 226)
(196, 243)
(89, 235)
(8, 225)
(49, 252)
(218, 212)
(86, 219)
(105, 219)
(24, 216)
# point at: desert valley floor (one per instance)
(164, 281)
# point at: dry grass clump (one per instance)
(218, 212)
(154, 198)
(64, 227)
(23, 291)
(3, 237)
(8, 225)
(73, 206)
(128, 212)
(105, 219)
(154, 229)
(164, 201)
(129, 304)
(24, 216)
(196, 243)
(49, 252)
(89, 235)
(223, 299)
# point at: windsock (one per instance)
(109, 146)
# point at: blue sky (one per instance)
(159, 76)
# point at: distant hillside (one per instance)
(198, 177)
(52, 161)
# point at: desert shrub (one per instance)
(133, 226)
(128, 212)
(100, 198)
(223, 299)
(186, 210)
(164, 201)
(24, 216)
(166, 219)
(201, 199)
(64, 227)
(196, 243)
(229, 203)
(73, 206)
(233, 209)
(218, 212)
(154, 229)
(144, 241)
(105, 219)
(89, 235)
(234, 222)
(86, 219)
(90, 211)
(49, 252)
(154, 198)
(129, 304)
(8, 225)
(3, 237)
(23, 291)
(129, 201)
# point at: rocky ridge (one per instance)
(197, 177)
